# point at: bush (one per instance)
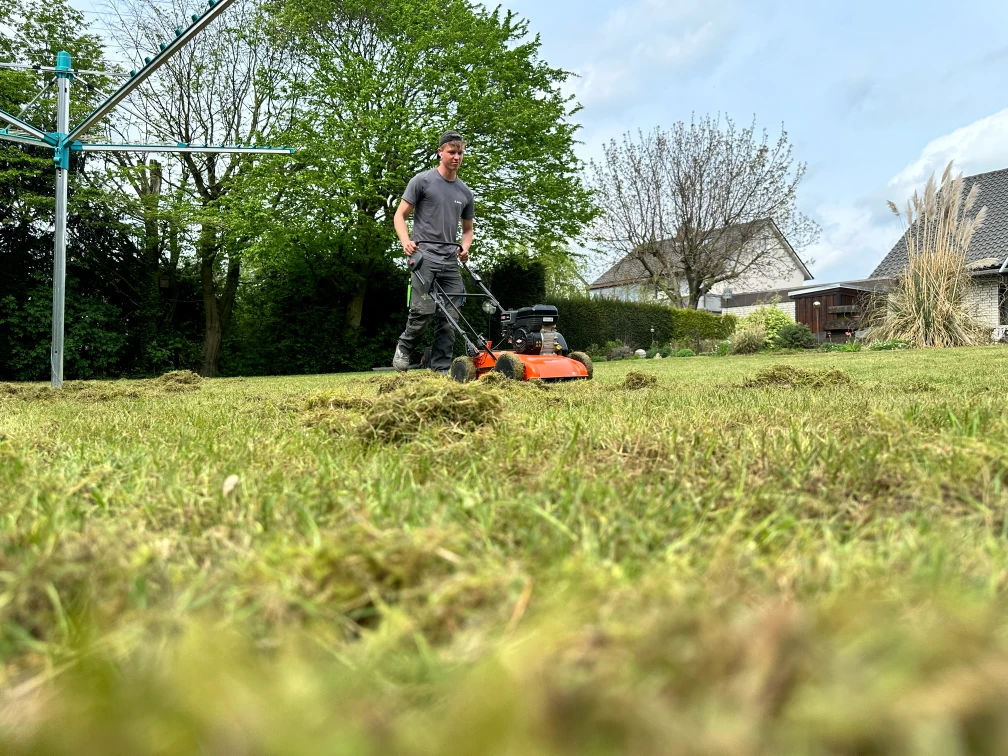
(517, 281)
(723, 348)
(931, 303)
(771, 319)
(795, 336)
(685, 353)
(881, 345)
(749, 338)
(585, 321)
(620, 352)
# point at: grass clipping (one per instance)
(175, 382)
(789, 376)
(930, 304)
(420, 407)
(638, 380)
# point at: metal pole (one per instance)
(62, 161)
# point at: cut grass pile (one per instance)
(414, 566)
(790, 376)
(638, 380)
(175, 382)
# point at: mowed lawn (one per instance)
(708, 565)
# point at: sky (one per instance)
(874, 94)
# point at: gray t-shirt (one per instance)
(438, 205)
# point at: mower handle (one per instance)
(474, 276)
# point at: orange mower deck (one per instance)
(548, 367)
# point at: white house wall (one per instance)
(984, 299)
(788, 308)
(643, 293)
(785, 273)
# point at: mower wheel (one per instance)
(585, 360)
(463, 369)
(510, 366)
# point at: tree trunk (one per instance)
(356, 308)
(694, 295)
(218, 309)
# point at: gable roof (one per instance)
(989, 247)
(630, 270)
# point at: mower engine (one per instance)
(532, 330)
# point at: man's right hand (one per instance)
(409, 246)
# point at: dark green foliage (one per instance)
(585, 321)
(517, 281)
(685, 353)
(293, 319)
(795, 336)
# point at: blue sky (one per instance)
(874, 95)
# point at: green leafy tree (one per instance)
(32, 32)
(223, 87)
(378, 83)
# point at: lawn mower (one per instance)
(530, 345)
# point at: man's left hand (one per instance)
(463, 254)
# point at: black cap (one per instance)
(449, 136)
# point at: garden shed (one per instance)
(831, 311)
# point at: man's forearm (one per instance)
(467, 239)
(399, 222)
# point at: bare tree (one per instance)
(224, 87)
(702, 204)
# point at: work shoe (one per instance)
(401, 359)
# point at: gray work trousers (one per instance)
(423, 308)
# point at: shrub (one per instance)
(620, 352)
(771, 319)
(685, 353)
(585, 321)
(517, 281)
(881, 345)
(930, 303)
(723, 348)
(795, 336)
(749, 338)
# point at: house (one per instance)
(833, 309)
(829, 310)
(781, 268)
(987, 258)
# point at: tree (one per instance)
(221, 88)
(380, 82)
(32, 32)
(700, 204)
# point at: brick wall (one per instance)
(984, 299)
(787, 308)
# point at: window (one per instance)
(1002, 303)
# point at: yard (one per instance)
(736, 560)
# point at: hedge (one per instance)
(585, 321)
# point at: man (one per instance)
(438, 200)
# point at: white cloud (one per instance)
(641, 43)
(981, 146)
(853, 241)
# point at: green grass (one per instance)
(735, 560)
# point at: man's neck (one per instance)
(447, 173)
